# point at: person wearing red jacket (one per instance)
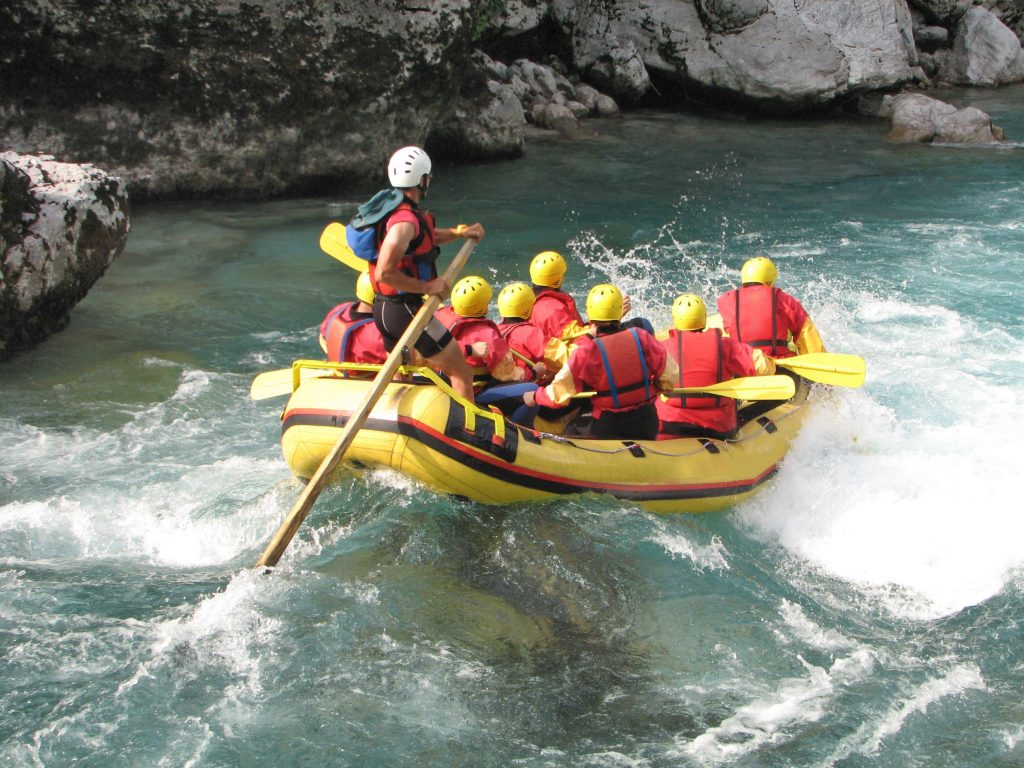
(627, 367)
(486, 350)
(765, 317)
(539, 355)
(704, 356)
(554, 310)
(348, 333)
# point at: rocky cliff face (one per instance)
(61, 226)
(191, 98)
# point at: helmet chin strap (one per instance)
(422, 187)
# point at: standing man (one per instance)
(405, 270)
(704, 357)
(627, 367)
(765, 317)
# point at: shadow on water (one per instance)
(541, 601)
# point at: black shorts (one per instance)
(392, 316)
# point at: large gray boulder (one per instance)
(61, 226)
(985, 52)
(775, 53)
(189, 98)
(213, 97)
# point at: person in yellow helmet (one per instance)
(765, 317)
(482, 344)
(554, 310)
(504, 382)
(348, 333)
(627, 367)
(704, 356)
(533, 349)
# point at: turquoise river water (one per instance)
(863, 610)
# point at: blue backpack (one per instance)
(361, 233)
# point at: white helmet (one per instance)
(407, 167)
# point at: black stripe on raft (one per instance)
(510, 473)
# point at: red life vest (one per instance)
(702, 362)
(526, 339)
(466, 330)
(752, 314)
(420, 259)
(352, 337)
(553, 311)
(699, 357)
(625, 381)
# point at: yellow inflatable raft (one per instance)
(422, 429)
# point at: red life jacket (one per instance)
(466, 330)
(420, 260)
(625, 381)
(699, 357)
(351, 337)
(553, 311)
(751, 314)
(526, 339)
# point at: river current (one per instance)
(863, 610)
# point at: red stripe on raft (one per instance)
(515, 469)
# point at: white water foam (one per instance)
(915, 487)
(871, 736)
(772, 714)
(172, 485)
(712, 556)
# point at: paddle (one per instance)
(827, 368)
(279, 382)
(749, 388)
(291, 524)
(334, 243)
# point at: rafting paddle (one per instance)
(827, 368)
(278, 383)
(316, 483)
(748, 388)
(334, 243)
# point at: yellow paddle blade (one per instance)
(333, 243)
(749, 388)
(279, 383)
(828, 368)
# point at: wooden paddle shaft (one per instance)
(309, 494)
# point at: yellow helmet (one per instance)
(364, 288)
(604, 304)
(758, 270)
(689, 312)
(470, 296)
(548, 269)
(516, 300)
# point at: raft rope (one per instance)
(648, 444)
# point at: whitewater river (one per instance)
(863, 610)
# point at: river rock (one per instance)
(777, 54)
(915, 117)
(61, 226)
(223, 98)
(942, 10)
(985, 52)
